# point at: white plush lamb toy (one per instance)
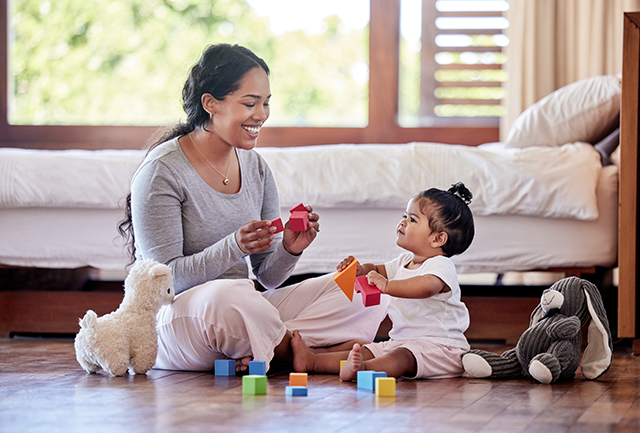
(128, 337)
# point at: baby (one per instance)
(429, 320)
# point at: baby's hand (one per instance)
(375, 279)
(346, 262)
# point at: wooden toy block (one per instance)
(385, 386)
(254, 384)
(346, 278)
(298, 379)
(367, 379)
(341, 364)
(296, 390)
(299, 221)
(298, 208)
(258, 368)
(225, 367)
(277, 223)
(370, 294)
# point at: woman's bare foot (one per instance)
(303, 358)
(355, 363)
(242, 364)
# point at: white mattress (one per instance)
(76, 237)
(540, 181)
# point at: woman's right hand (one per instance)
(343, 264)
(255, 236)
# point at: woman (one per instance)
(201, 202)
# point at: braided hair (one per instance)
(448, 211)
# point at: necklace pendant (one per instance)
(226, 181)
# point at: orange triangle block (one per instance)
(346, 278)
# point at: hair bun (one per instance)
(461, 191)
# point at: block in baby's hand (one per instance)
(277, 223)
(370, 294)
(299, 221)
(346, 278)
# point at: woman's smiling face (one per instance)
(238, 118)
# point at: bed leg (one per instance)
(635, 346)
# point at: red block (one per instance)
(370, 294)
(299, 221)
(277, 223)
(298, 208)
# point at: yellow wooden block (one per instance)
(385, 386)
(342, 361)
(346, 278)
(297, 379)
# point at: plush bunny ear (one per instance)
(597, 357)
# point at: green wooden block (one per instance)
(254, 384)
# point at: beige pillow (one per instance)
(586, 110)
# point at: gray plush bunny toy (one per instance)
(549, 350)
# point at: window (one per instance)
(123, 62)
(366, 110)
(451, 62)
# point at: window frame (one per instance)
(382, 127)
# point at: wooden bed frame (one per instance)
(628, 198)
(57, 312)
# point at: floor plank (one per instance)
(43, 389)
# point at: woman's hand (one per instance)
(296, 242)
(375, 279)
(255, 236)
(346, 262)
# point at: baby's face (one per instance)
(413, 232)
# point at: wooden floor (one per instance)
(43, 389)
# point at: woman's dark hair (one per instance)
(219, 72)
(449, 212)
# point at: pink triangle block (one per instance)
(298, 208)
(370, 294)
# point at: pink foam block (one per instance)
(298, 208)
(299, 221)
(277, 223)
(370, 294)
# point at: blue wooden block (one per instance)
(225, 367)
(258, 368)
(296, 390)
(367, 379)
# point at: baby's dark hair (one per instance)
(448, 211)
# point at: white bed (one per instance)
(55, 217)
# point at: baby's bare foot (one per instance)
(242, 364)
(303, 358)
(355, 363)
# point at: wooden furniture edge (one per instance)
(628, 222)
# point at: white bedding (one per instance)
(555, 182)
(77, 237)
(41, 227)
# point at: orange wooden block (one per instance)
(297, 379)
(346, 278)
